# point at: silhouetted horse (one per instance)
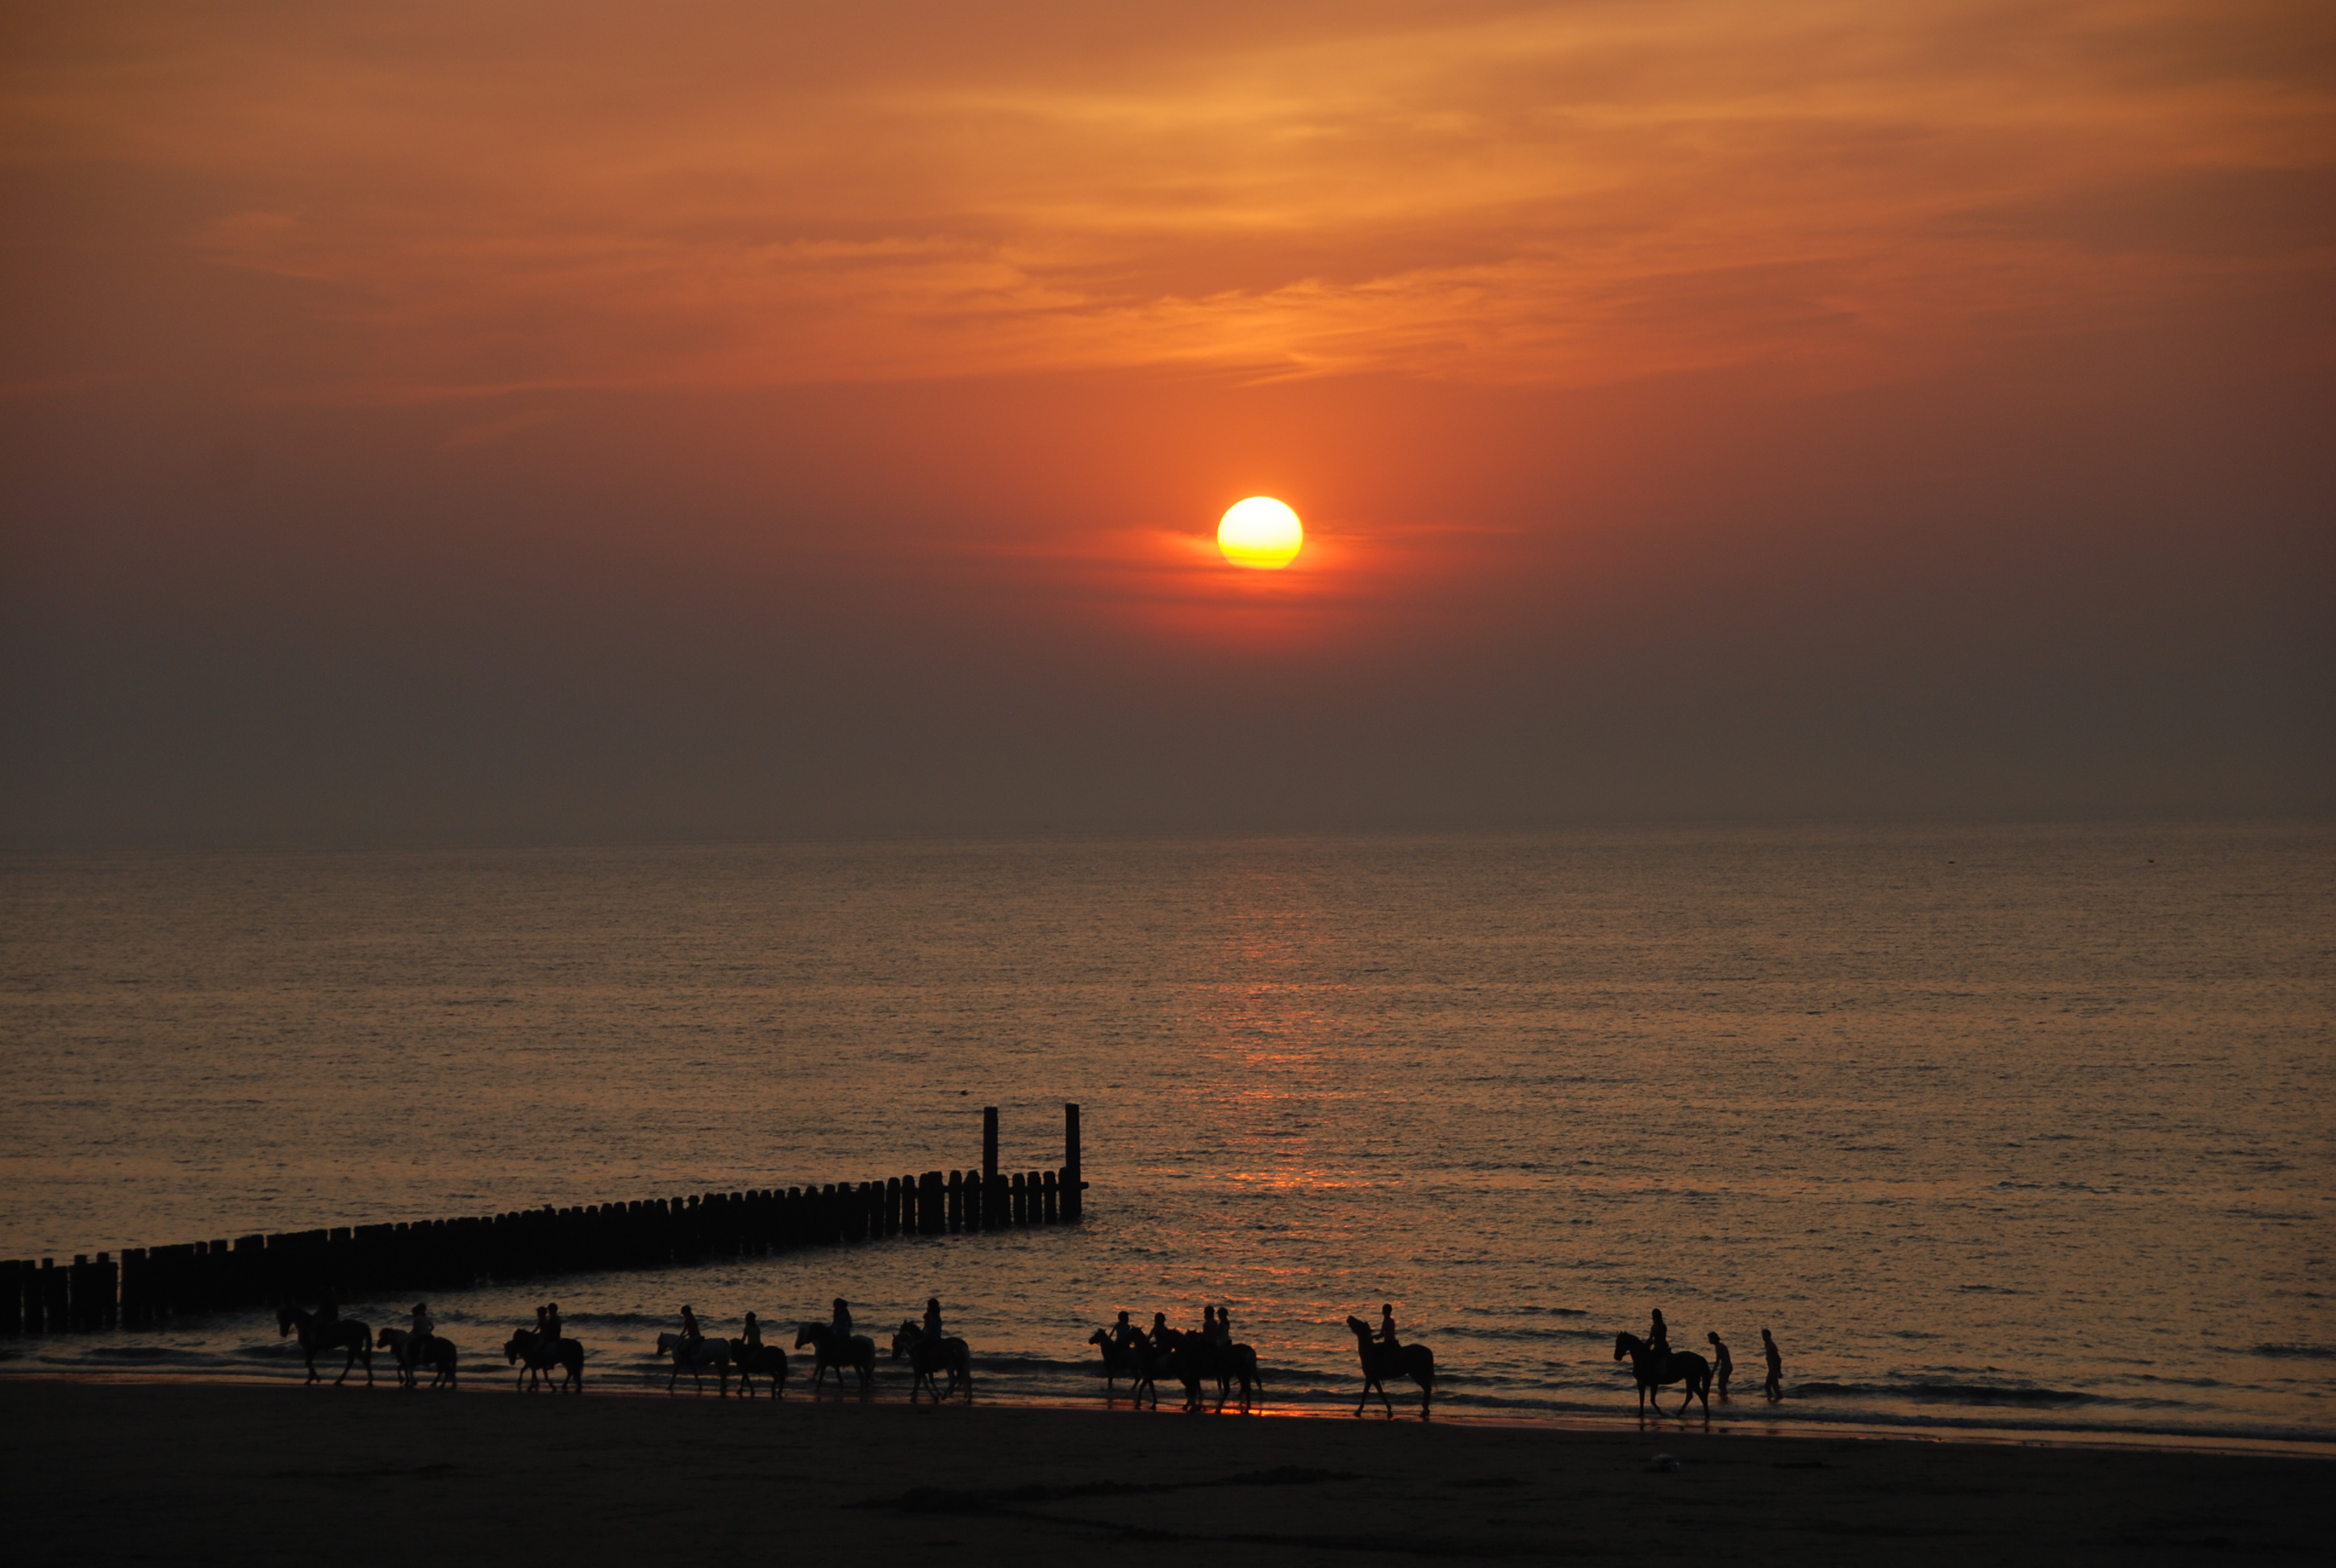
(1381, 1361)
(713, 1353)
(927, 1357)
(1118, 1361)
(1181, 1360)
(407, 1354)
(341, 1334)
(768, 1360)
(527, 1349)
(829, 1351)
(1685, 1367)
(1234, 1363)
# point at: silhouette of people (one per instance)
(751, 1336)
(1224, 1325)
(1776, 1384)
(1124, 1333)
(691, 1335)
(1207, 1324)
(1723, 1363)
(422, 1328)
(1658, 1340)
(552, 1325)
(841, 1321)
(933, 1335)
(1218, 1330)
(1162, 1334)
(1386, 1324)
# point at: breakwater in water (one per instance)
(148, 1286)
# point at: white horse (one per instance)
(713, 1353)
(410, 1353)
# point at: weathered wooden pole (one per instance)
(1072, 1185)
(992, 1188)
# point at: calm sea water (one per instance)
(1991, 1126)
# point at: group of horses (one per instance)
(1193, 1359)
(1186, 1358)
(831, 1352)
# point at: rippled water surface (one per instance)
(2012, 1126)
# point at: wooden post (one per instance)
(1072, 1184)
(1048, 1193)
(992, 1214)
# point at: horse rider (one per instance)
(1207, 1324)
(933, 1321)
(751, 1336)
(1217, 1331)
(691, 1337)
(423, 1328)
(550, 1329)
(1659, 1342)
(1124, 1334)
(1386, 1324)
(841, 1324)
(1723, 1363)
(1225, 1325)
(1163, 1337)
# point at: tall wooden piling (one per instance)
(1072, 1183)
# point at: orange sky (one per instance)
(488, 420)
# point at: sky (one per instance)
(461, 423)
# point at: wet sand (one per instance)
(118, 1472)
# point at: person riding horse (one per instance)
(933, 1335)
(841, 1321)
(422, 1329)
(691, 1335)
(1386, 1324)
(751, 1335)
(1124, 1333)
(1658, 1340)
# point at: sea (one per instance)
(1998, 1129)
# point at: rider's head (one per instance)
(932, 1303)
(1122, 1317)
(1387, 1310)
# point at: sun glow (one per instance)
(1260, 533)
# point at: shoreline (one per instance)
(117, 1471)
(1734, 1426)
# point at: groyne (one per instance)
(150, 1286)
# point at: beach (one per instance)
(117, 1471)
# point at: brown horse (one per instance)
(1382, 1361)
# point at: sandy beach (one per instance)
(181, 1472)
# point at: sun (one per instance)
(1260, 533)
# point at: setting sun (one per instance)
(1260, 533)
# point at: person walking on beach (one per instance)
(1775, 1385)
(933, 1335)
(1386, 1324)
(1722, 1362)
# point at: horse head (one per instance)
(1360, 1329)
(906, 1337)
(284, 1317)
(1625, 1344)
(809, 1334)
(1100, 1336)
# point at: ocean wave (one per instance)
(2296, 1352)
(1944, 1393)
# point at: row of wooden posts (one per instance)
(151, 1285)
